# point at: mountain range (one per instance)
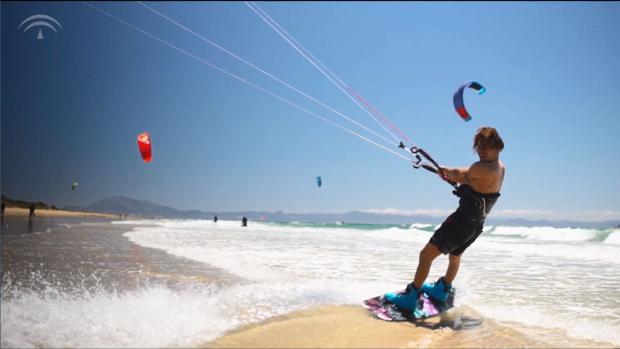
(147, 209)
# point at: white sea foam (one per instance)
(576, 323)
(547, 233)
(530, 265)
(423, 226)
(613, 237)
(156, 316)
(509, 274)
(151, 317)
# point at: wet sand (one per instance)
(24, 212)
(74, 249)
(327, 327)
(349, 326)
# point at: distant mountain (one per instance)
(144, 208)
(125, 205)
(26, 204)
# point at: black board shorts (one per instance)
(456, 234)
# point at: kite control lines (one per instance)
(382, 142)
(417, 162)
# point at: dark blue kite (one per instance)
(458, 98)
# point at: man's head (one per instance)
(488, 143)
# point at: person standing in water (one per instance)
(244, 222)
(31, 213)
(3, 208)
(478, 191)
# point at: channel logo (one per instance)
(40, 22)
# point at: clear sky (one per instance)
(74, 102)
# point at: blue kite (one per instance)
(458, 98)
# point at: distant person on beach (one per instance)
(215, 219)
(478, 190)
(244, 222)
(3, 208)
(31, 214)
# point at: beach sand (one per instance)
(349, 326)
(63, 246)
(326, 327)
(24, 212)
(344, 326)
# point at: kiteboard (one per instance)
(427, 307)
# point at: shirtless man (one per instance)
(479, 189)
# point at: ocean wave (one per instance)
(423, 226)
(155, 316)
(69, 315)
(613, 237)
(547, 317)
(547, 233)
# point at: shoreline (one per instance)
(24, 212)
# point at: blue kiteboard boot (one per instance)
(437, 290)
(407, 300)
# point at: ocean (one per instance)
(184, 283)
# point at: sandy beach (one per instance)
(348, 326)
(24, 212)
(343, 326)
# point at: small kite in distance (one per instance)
(144, 145)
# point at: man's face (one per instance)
(486, 153)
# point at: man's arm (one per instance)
(458, 175)
(462, 175)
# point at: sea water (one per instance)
(561, 279)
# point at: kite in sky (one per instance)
(458, 98)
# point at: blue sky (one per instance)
(73, 104)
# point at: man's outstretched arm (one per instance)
(464, 175)
(458, 175)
